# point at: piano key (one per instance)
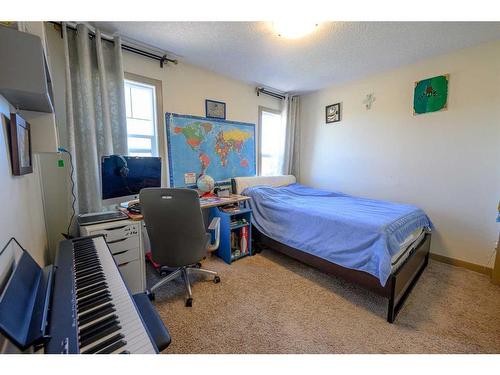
(95, 315)
(97, 310)
(81, 271)
(91, 276)
(85, 283)
(88, 271)
(87, 258)
(93, 297)
(86, 264)
(137, 339)
(97, 326)
(92, 289)
(82, 277)
(104, 344)
(84, 250)
(112, 328)
(113, 348)
(94, 304)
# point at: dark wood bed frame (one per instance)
(398, 286)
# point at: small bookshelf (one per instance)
(235, 231)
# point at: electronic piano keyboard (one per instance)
(79, 305)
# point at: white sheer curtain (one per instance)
(291, 155)
(95, 109)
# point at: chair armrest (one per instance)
(214, 230)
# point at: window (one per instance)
(271, 142)
(140, 100)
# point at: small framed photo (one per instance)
(214, 109)
(20, 144)
(332, 113)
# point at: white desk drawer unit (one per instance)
(124, 240)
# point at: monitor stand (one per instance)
(127, 204)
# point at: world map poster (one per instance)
(219, 148)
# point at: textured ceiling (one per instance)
(335, 53)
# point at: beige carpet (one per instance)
(270, 303)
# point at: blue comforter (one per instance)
(357, 233)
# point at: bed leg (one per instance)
(256, 242)
(391, 314)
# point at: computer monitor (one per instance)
(123, 177)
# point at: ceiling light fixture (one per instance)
(294, 29)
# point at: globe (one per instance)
(205, 183)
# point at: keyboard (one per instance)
(103, 217)
(92, 309)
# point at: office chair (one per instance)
(176, 231)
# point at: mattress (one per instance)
(406, 248)
(353, 232)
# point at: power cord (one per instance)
(73, 211)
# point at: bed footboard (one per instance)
(404, 279)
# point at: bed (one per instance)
(382, 246)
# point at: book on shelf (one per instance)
(231, 208)
(240, 242)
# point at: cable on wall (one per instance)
(73, 201)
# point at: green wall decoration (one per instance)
(431, 95)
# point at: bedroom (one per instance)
(361, 212)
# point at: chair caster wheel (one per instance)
(216, 279)
(163, 273)
(189, 302)
(150, 295)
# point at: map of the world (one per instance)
(218, 148)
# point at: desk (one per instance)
(233, 223)
(204, 203)
(216, 201)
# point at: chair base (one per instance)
(184, 272)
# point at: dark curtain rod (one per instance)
(162, 59)
(261, 90)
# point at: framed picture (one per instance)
(431, 95)
(20, 144)
(214, 109)
(332, 113)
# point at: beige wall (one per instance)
(21, 200)
(185, 89)
(22, 213)
(447, 163)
